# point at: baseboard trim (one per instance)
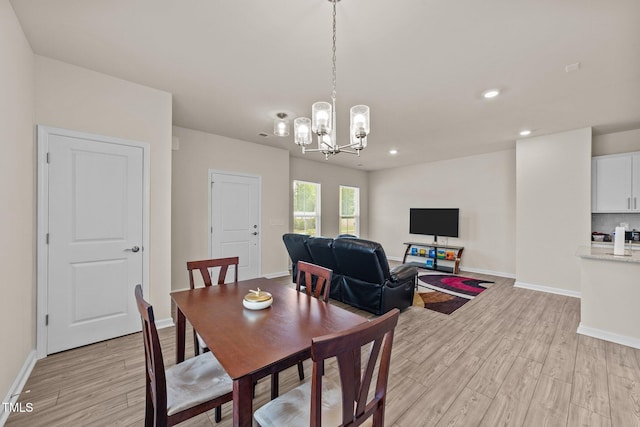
(278, 274)
(608, 336)
(18, 385)
(164, 323)
(547, 289)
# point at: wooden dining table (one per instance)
(252, 344)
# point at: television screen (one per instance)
(434, 221)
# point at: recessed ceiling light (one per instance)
(490, 93)
(525, 132)
(572, 67)
(393, 152)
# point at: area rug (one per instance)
(446, 293)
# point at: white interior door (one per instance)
(96, 218)
(235, 221)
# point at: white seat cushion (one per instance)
(294, 407)
(194, 381)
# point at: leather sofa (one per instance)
(361, 274)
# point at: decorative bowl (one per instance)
(257, 300)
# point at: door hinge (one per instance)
(46, 320)
(211, 230)
(48, 157)
(47, 238)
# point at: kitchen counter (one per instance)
(604, 252)
(610, 295)
(634, 244)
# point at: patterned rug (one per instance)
(446, 293)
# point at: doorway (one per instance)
(92, 234)
(234, 220)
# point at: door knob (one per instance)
(255, 233)
(133, 249)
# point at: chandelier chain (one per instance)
(333, 58)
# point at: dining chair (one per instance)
(182, 391)
(320, 280)
(325, 401)
(316, 280)
(204, 267)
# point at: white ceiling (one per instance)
(421, 65)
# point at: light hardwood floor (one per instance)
(511, 357)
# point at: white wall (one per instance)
(198, 152)
(615, 143)
(79, 99)
(553, 209)
(331, 177)
(17, 199)
(482, 187)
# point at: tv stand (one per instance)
(433, 256)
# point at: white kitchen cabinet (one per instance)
(615, 185)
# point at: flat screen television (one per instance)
(434, 221)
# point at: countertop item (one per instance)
(257, 300)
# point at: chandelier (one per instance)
(323, 119)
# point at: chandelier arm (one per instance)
(319, 150)
(342, 147)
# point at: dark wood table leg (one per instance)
(275, 385)
(242, 402)
(180, 332)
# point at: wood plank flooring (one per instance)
(510, 357)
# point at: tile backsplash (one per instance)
(607, 222)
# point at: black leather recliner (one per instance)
(296, 245)
(361, 274)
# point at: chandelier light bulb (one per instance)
(321, 118)
(281, 125)
(302, 131)
(359, 126)
(282, 129)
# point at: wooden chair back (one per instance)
(316, 280)
(156, 385)
(355, 381)
(205, 265)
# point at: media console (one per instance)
(433, 256)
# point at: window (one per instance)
(349, 210)
(306, 208)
